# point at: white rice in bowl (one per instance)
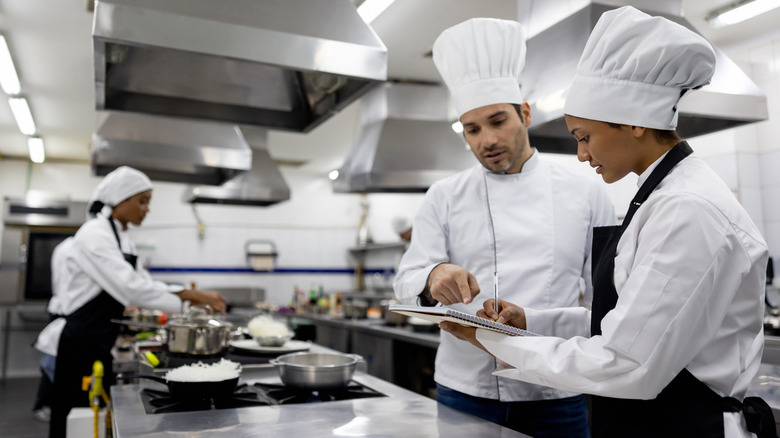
(264, 325)
(201, 372)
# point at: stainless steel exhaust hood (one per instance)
(261, 186)
(730, 100)
(283, 64)
(168, 149)
(406, 141)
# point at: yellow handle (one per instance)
(153, 360)
(97, 383)
(96, 391)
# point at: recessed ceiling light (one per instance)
(740, 11)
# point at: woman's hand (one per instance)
(209, 297)
(508, 313)
(462, 332)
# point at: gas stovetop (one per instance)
(255, 394)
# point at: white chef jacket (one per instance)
(93, 262)
(58, 272)
(689, 272)
(543, 218)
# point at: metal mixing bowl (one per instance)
(314, 371)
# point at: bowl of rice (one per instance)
(203, 372)
(268, 332)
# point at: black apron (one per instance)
(686, 407)
(88, 336)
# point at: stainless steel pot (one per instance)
(315, 371)
(197, 333)
(391, 318)
(143, 316)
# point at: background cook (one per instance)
(100, 278)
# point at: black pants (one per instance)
(43, 396)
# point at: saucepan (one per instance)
(196, 333)
(191, 390)
(315, 371)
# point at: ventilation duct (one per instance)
(282, 64)
(730, 100)
(169, 149)
(261, 186)
(406, 141)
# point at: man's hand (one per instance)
(508, 313)
(450, 284)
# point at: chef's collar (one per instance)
(530, 164)
(646, 174)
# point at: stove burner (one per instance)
(158, 402)
(286, 396)
(258, 394)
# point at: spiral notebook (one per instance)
(438, 314)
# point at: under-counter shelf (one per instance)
(376, 247)
(359, 254)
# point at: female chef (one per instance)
(100, 279)
(675, 334)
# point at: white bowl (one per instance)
(273, 341)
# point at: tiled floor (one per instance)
(17, 396)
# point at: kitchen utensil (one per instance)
(251, 346)
(190, 390)
(273, 341)
(198, 333)
(315, 371)
(142, 317)
(391, 318)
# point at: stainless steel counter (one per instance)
(378, 328)
(766, 385)
(401, 414)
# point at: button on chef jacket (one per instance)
(689, 273)
(94, 262)
(543, 219)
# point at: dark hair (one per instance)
(95, 207)
(519, 109)
(661, 135)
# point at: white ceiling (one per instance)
(50, 41)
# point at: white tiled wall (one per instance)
(311, 231)
(759, 175)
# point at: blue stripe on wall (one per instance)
(228, 270)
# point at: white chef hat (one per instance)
(120, 184)
(401, 224)
(635, 68)
(481, 60)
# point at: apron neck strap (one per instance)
(116, 234)
(674, 156)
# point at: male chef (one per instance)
(513, 226)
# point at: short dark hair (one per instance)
(661, 135)
(519, 109)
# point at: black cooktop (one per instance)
(247, 395)
(173, 360)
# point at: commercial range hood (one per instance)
(282, 64)
(406, 141)
(170, 149)
(730, 100)
(261, 186)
